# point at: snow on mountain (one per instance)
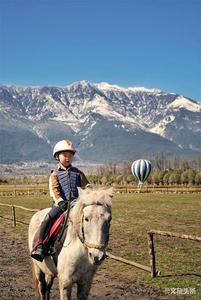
(160, 127)
(89, 112)
(107, 86)
(182, 102)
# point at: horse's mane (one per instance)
(90, 197)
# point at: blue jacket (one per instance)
(69, 181)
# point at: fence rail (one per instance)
(13, 211)
(18, 191)
(158, 189)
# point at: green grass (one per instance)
(133, 215)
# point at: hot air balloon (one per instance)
(141, 169)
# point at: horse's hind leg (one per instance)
(40, 283)
(36, 281)
(49, 281)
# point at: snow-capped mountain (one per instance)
(106, 122)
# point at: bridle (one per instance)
(88, 245)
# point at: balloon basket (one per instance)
(139, 188)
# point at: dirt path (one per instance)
(16, 277)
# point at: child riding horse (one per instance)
(63, 188)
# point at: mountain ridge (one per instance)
(89, 113)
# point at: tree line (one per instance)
(171, 177)
(165, 171)
(159, 162)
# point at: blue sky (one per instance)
(151, 43)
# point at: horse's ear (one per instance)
(110, 192)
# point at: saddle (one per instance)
(54, 239)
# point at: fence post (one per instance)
(14, 216)
(152, 254)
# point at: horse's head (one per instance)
(94, 213)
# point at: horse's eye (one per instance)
(86, 219)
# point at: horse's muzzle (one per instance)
(96, 256)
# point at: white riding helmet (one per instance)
(64, 145)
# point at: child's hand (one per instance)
(63, 204)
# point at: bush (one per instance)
(198, 178)
(175, 178)
(188, 177)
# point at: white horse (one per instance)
(83, 249)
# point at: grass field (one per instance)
(133, 215)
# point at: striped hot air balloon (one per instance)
(141, 169)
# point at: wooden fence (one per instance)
(151, 233)
(12, 192)
(158, 189)
(19, 191)
(152, 269)
(13, 212)
(15, 221)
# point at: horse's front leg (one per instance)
(83, 290)
(65, 289)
